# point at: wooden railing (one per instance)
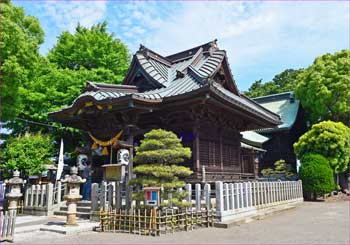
(210, 175)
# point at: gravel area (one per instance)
(309, 223)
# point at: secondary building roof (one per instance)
(283, 104)
(253, 138)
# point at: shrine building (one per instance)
(192, 93)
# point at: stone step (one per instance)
(84, 204)
(79, 214)
(79, 209)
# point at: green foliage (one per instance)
(283, 82)
(329, 139)
(281, 169)
(158, 153)
(316, 175)
(161, 147)
(53, 84)
(21, 36)
(54, 88)
(90, 49)
(28, 153)
(324, 88)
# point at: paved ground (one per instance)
(310, 223)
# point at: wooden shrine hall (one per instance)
(192, 93)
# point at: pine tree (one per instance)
(159, 154)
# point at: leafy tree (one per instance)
(21, 36)
(329, 139)
(282, 169)
(28, 153)
(89, 49)
(324, 88)
(316, 175)
(54, 85)
(282, 82)
(158, 155)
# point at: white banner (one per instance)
(60, 162)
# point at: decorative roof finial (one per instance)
(214, 43)
(141, 48)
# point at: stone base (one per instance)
(62, 228)
(71, 219)
(256, 214)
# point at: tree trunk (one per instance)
(343, 180)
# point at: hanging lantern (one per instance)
(94, 146)
(105, 151)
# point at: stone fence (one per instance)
(43, 199)
(236, 200)
(230, 200)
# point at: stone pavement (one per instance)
(310, 223)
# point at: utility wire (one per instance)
(39, 123)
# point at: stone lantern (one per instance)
(73, 196)
(15, 194)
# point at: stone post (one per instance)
(198, 197)
(207, 196)
(94, 197)
(188, 188)
(241, 195)
(73, 183)
(49, 196)
(226, 197)
(15, 190)
(232, 197)
(219, 191)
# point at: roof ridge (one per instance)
(257, 104)
(92, 86)
(273, 95)
(189, 53)
(148, 53)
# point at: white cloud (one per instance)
(268, 35)
(67, 14)
(261, 38)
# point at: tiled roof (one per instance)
(283, 104)
(178, 74)
(253, 137)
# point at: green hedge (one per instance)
(317, 175)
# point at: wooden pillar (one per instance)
(221, 151)
(130, 141)
(196, 155)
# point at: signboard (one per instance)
(114, 172)
(152, 196)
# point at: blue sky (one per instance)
(262, 38)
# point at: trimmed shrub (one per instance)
(317, 176)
